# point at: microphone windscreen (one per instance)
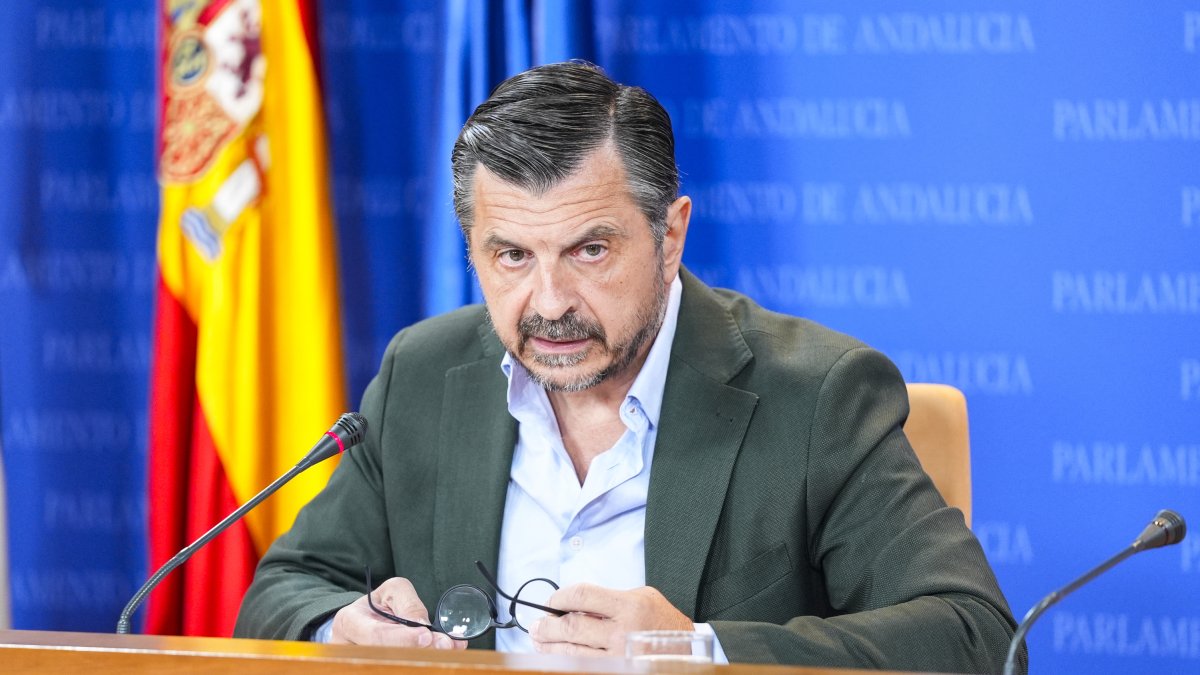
(353, 426)
(1166, 529)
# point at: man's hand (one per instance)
(599, 619)
(357, 624)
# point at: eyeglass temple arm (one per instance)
(392, 617)
(487, 575)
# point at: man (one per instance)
(671, 455)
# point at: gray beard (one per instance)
(571, 327)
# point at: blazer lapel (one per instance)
(702, 425)
(478, 437)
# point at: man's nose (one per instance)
(554, 292)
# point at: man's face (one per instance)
(574, 284)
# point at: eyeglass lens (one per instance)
(535, 591)
(465, 612)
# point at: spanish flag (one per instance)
(247, 362)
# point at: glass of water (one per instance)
(669, 646)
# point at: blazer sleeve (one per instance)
(317, 567)
(907, 582)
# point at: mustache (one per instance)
(570, 326)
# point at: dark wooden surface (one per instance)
(103, 653)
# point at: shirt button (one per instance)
(631, 410)
(576, 543)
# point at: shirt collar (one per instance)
(647, 388)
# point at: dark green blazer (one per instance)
(785, 507)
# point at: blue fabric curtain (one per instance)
(77, 120)
(1005, 199)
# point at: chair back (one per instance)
(937, 430)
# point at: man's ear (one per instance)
(679, 214)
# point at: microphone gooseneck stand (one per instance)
(1166, 529)
(346, 432)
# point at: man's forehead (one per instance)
(577, 188)
(597, 189)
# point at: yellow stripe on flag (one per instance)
(247, 245)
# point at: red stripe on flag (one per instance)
(216, 578)
(172, 399)
(308, 21)
(189, 493)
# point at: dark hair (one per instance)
(537, 127)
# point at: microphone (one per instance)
(347, 432)
(1166, 529)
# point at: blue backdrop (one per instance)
(1005, 198)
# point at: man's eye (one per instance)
(512, 255)
(593, 250)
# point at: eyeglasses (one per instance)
(466, 611)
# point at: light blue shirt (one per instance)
(570, 533)
(553, 526)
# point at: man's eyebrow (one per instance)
(598, 231)
(495, 242)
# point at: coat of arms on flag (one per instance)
(213, 80)
(213, 84)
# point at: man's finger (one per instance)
(357, 624)
(580, 629)
(569, 649)
(588, 598)
(443, 641)
(397, 635)
(398, 597)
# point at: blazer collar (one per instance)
(704, 421)
(708, 338)
(478, 437)
(702, 424)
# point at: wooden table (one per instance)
(103, 653)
